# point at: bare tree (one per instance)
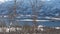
(13, 14)
(36, 6)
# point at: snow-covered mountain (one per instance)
(50, 8)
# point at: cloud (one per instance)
(2, 1)
(45, 0)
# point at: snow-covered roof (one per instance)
(57, 27)
(40, 26)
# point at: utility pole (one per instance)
(35, 16)
(13, 15)
(15, 7)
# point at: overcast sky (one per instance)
(11, 0)
(4, 0)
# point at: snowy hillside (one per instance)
(50, 8)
